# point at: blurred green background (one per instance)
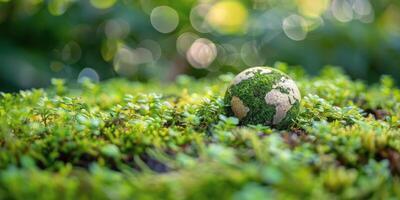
(160, 39)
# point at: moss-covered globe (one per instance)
(263, 95)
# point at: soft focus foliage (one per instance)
(130, 140)
(157, 39)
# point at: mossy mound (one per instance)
(125, 140)
(263, 95)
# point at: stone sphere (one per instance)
(263, 95)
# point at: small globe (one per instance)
(263, 95)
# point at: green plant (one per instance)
(128, 140)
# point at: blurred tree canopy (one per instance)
(158, 39)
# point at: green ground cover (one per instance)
(126, 140)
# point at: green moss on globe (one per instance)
(263, 95)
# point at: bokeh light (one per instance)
(103, 4)
(265, 24)
(147, 5)
(229, 55)
(228, 17)
(295, 27)
(58, 7)
(164, 19)
(127, 60)
(88, 73)
(362, 7)
(29, 7)
(312, 24)
(390, 21)
(116, 28)
(71, 53)
(363, 11)
(342, 10)
(56, 66)
(153, 46)
(312, 8)
(201, 53)
(198, 19)
(184, 41)
(109, 49)
(250, 54)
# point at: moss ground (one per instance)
(124, 140)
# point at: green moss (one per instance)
(128, 140)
